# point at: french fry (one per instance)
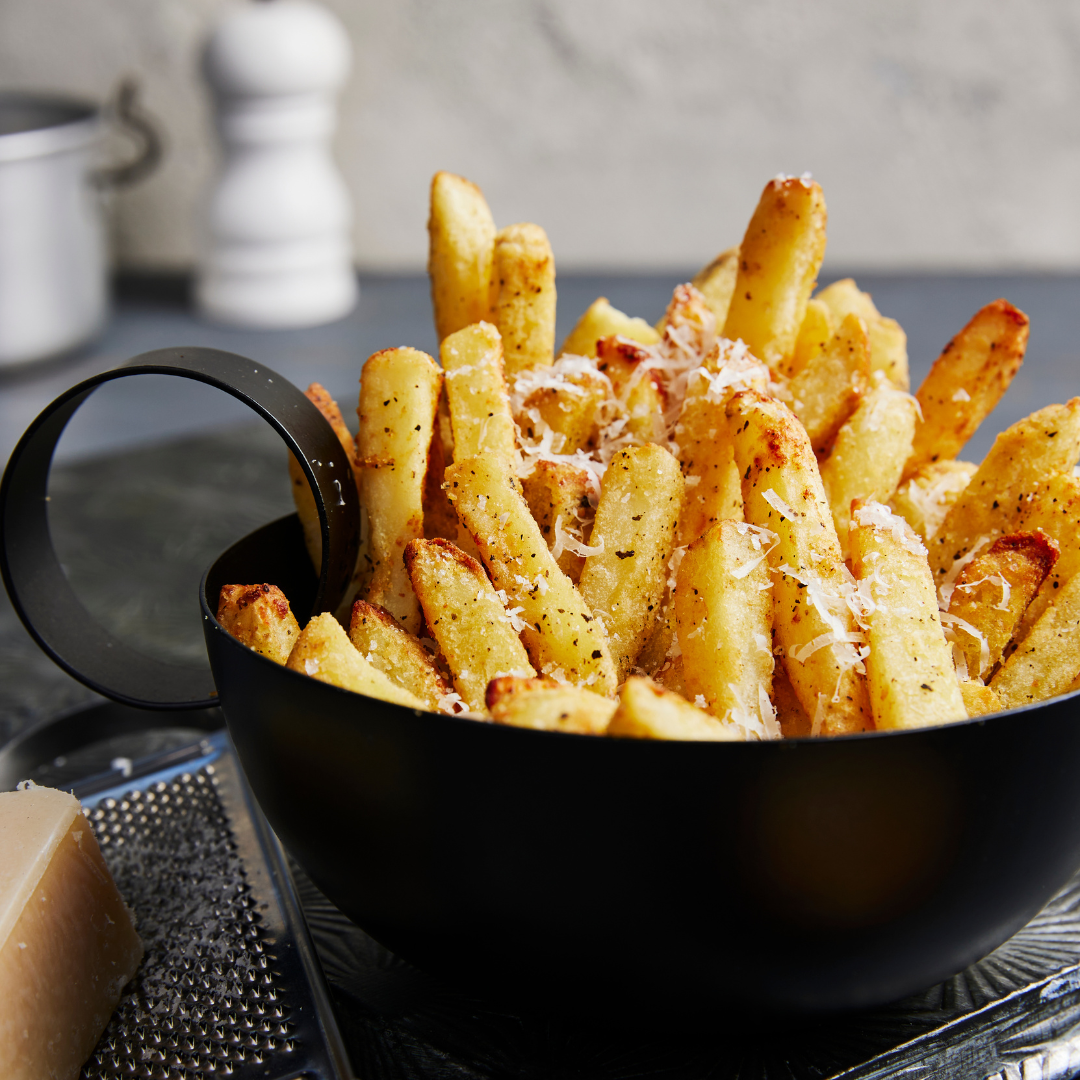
(301, 490)
(816, 331)
(439, 517)
(461, 253)
(324, 651)
(525, 308)
(924, 499)
(909, 667)
(979, 700)
(716, 282)
(790, 715)
(561, 635)
(648, 711)
(601, 320)
(1047, 661)
(571, 405)
(635, 386)
(558, 497)
(259, 617)
(479, 405)
(1019, 464)
(966, 381)
(991, 595)
(778, 265)
(829, 387)
(723, 607)
(868, 456)
(888, 342)
(623, 584)
(812, 622)
(476, 634)
(689, 322)
(545, 705)
(380, 640)
(399, 393)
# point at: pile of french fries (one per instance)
(736, 524)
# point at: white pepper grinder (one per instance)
(276, 246)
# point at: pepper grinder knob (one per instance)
(277, 246)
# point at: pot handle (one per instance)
(126, 111)
(39, 590)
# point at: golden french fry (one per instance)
(623, 584)
(924, 499)
(909, 667)
(558, 498)
(979, 700)
(790, 715)
(868, 456)
(545, 705)
(648, 711)
(476, 633)
(812, 622)
(476, 394)
(601, 320)
(689, 322)
(636, 387)
(259, 616)
(716, 282)
(966, 381)
(462, 244)
(778, 265)
(382, 643)
(439, 517)
(1047, 661)
(829, 387)
(723, 607)
(888, 342)
(399, 393)
(301, 491)
(1024, 461)
(816, 331)
(561, 635)
(991, 595)
(570, 405)
(525, 308)
(324, 651)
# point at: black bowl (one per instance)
(810, 874)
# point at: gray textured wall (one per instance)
(946, 135)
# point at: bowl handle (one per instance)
(40, 591)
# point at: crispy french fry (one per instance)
(991, 595)
(909, 668)
(966, 381)
(558, 498)
(689, 322)
(623, 584)
(1019, 464)
(888, 342)
(868, 456)
(545, 705)
(259, 616)
(460, 257)
(560, 635)
(301, 491)
(323, 651)
(399, 393)
(790, 715)
(1047, 661)
(648, 711)
(654, 653)
(525, 308)
(476, 634)
(635, 386)
(924, 499)
(382, 643)
(979, 700)
(829, 387)
(816, 331)
(439, 517)
(601, 320)
(476, 394)
(782, 491)
(778, 265)
(570, 404)
(723, 607)
(716, 282)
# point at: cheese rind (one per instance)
(67, 940)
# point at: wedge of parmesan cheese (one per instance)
(67, 940)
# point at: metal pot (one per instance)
(53, 249)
